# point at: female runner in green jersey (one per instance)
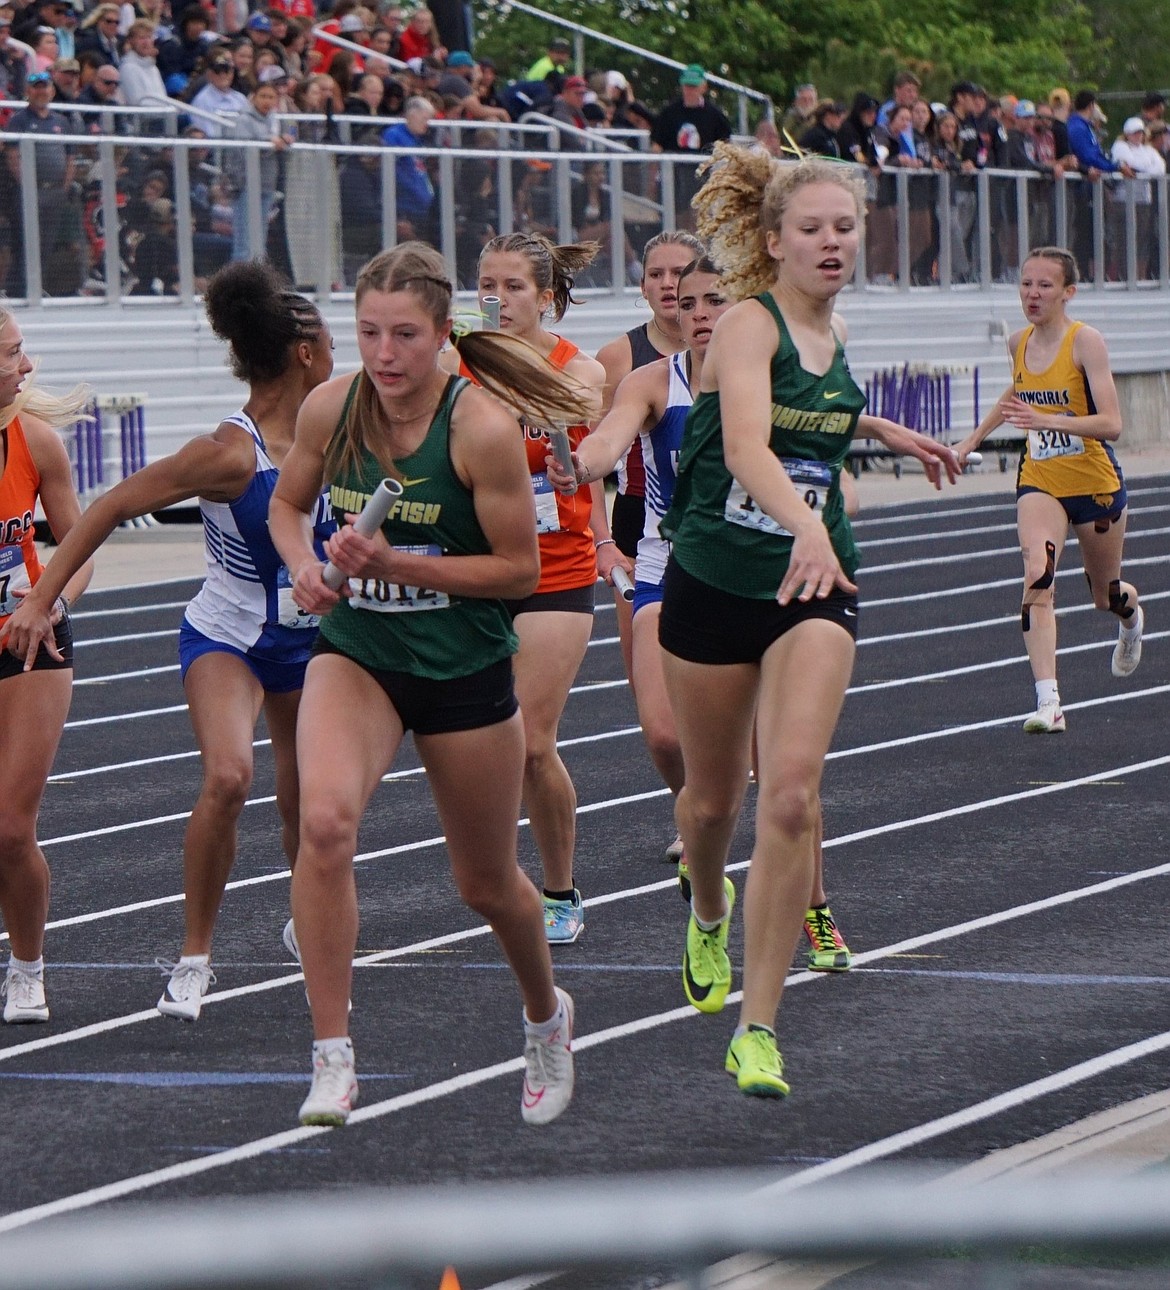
(759, 611)
(419, 640)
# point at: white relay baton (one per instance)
(491, 313)
(562, 450)
(367, 524)
(974, 459)
(621, 581)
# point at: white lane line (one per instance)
(896, 826)
(972, 669)
(857, 751)
(941, 534)
(1006, 1101)
(969, 588)
(471, 1079)
(962, 557)
(82, 615)
(124, 676)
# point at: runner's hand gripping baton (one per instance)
(367, 524)
(562, 450)
(621, 580)
(491, 313)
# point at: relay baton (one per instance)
(621, 581)
(974, 459)
(562, 450)
(367, 524)
(491, 312)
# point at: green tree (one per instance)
(842, 45)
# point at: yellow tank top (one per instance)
(1057, 462)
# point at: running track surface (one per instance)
(1003, 895)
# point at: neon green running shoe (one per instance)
(706, 967)
(755, 1061)
(829, 953)
(684, 878)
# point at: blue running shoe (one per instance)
(564, 920)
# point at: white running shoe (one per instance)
(1127, 654)
(334, 1093)
(24, 998)
(548, 1073)
(189, 982)
(1046, 720)
(674, 852)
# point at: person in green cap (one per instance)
(689, 123)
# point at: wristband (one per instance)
(604, 542)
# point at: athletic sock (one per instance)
(705, 926)
(343, 1044)
(752, 1025)
(30, 967)
(194, 960)
(1047, 692)
(561, 895)
(1130, 629)
(545, 1029)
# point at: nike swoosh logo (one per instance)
(835, 395)
(697, 992)
(851, 613)
(531, 1099)
(410, 483)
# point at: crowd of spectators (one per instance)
(1060, 135)
(272, 75)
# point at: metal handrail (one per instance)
(501, 1229)
(331, 38)
(592, 138)
(742, 92)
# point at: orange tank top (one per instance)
(20, 485)
(568, 558)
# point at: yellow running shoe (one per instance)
(706, 967)
(828, 952)
(755, 1061)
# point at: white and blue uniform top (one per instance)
(660, 449)
(246, 600)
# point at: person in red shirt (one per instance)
(533, 280)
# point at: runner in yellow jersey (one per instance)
(1061, 381)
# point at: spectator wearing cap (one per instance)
(689, 124)
(460, 80)
(141, 79)
(179, 56)
(415, 191)
(487, 87)
(567, 109)
(821, 135)
(420, 37)
(58, 207)
(555, 60)
(99, 32)
(1093, 163)
(256, 122)
(218, 95)
(1132, 148)
(66, 73)
(800, 116)
(856, 138)
(156, 256)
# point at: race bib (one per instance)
(395, 598)
(1043, 445)
(13, 577)
(288, 612)
(812, 480)
(548, 519)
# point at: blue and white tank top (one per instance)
(246, 600)
(660, 449)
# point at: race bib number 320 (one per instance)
(811, 479)
(396, 598)
(1043, 445)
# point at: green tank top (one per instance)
(414, 629)
(719, 534)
